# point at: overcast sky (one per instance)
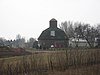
(30, 17)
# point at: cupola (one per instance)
(53, 23)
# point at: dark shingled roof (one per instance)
(59, 34)
(53, 19)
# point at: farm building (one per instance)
(75, 42)
(53, 36)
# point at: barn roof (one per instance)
(59, 34)
(53, 19)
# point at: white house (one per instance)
(80, 42)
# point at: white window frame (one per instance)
(52, 33)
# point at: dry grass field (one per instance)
(11, 52)
(55, 62)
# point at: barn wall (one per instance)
(55, 43)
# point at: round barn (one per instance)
(53, 36)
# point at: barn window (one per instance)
(52, 33)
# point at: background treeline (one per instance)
(81, 30)
(19, 42)
(72, 30)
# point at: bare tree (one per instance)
(19, 42)
(30, 42)
(18, 37)
(2, 41)
(80, 30)
(67, 27)
(98, 30)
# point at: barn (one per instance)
(53, 36)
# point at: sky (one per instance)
(30, 17)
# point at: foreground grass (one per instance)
(71, 62)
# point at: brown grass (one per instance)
(66, 62)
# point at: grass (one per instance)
(63, 62)
(11, 52)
